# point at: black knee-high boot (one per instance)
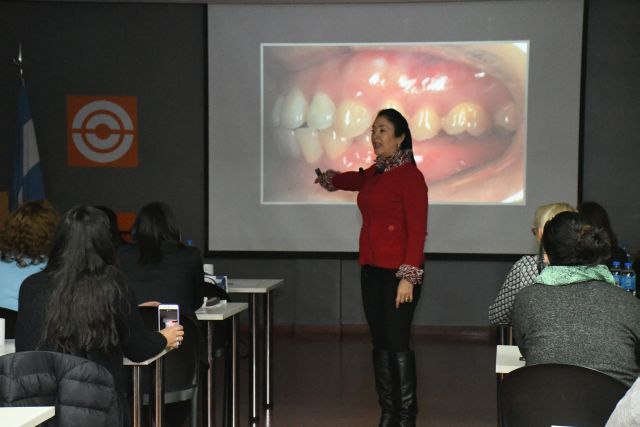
(405, 363)
(387, 396)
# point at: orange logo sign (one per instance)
(102, 131)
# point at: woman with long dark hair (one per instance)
(574, 313)
(80, 304)
(158, 267)
(392, 197)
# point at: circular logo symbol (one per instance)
(102, 131)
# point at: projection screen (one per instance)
(491, 91)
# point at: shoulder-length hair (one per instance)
(28, 232)
(83, 313)
(400, 127)
(155, 224)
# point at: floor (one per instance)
(327, 380)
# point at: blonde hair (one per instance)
(545, 213)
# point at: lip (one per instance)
(457, 168)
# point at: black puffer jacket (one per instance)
(82, 391)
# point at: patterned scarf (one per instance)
(557, 275)
(385, 164)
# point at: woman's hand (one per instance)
(405, 292)
(149, 304)
(174, 336)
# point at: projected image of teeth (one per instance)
(465, 103)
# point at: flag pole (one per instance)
(18, 63)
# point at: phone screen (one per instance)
(168, 316)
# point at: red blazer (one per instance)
(394, 208)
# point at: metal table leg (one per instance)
(159, 398)
(253, 406)
(137, 397)
(268, 350)
(211, 399)
(235, 401)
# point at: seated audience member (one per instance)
(80, 304)
(116, 237)
(574, 313)
(157, 266)
(24, 244)
(627, 412)
(597, 216)
(525, 270)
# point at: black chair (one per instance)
(9, 317)
(181, 366)
(558, 394)
(82, 391)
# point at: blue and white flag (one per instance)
(26, 180)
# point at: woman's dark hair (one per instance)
(82, 313)
(116, 237)
(597, 216)
(400, 127)
(569, 239)
(155, 224)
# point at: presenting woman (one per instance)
(80, 304)
(393, 201)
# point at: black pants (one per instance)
(390, 327)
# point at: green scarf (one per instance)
(565, 275)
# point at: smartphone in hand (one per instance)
(168, 315)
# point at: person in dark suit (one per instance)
(158, 267)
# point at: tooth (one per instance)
(352, 119)
(294, 109)
(425, 124)
(505, 117)
(321, 111)
(309, 141)
(286, 143)
(392, 103)
(469, 117)
(277, 111)
(333, 144)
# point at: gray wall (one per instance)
(157, 53)
(154, 52)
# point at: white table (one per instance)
(26, 416)
(253, 287)
(137, 388)
(9, 347)
(508, 358)
(219, 312)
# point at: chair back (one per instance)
(9, 317)
(82, 391)
(558, 394)
(181, 366)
